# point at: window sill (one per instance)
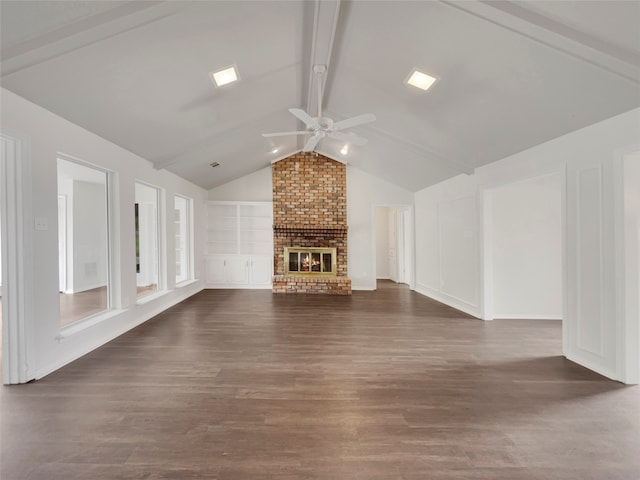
(186, 283)
(151, 297)
(69, 330)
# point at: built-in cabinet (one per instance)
(239, 245)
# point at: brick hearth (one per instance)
(310, 210)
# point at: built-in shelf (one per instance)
(239, 245)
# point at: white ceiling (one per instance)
(512, 74)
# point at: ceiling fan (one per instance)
(321, 127)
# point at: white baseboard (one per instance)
(605, 372)
(524, 316)
(217, 286)
(443, 298)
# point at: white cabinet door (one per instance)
(261, 270)
(237, 270)
(215, 272)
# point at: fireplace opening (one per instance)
(310, 261)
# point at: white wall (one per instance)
(527, 248)
(48, 135)
(447, 262)
(382, 242)
(364, 192)
(584, 159)
(255, 187)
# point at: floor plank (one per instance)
(244, 384)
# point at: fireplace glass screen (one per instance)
(310, 261)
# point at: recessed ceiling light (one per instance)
(420, 80)
(223, 77)
(274, 150)
(345, 150)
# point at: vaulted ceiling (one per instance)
(511, 75)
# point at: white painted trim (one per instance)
(325, 22)
(523, 316)
(88, 287)
(600, 216)
(17, 252)
(363, 289)
(188, 241)
(126, 17)
(409, 230)
(152, 296)
(448, 300)
(485, 238)
(83, 163)
(234, 202)
(588, 364)
(62, 239)
(226, 286)
(185, 283)
(564, 252)
(628, 323)
(519, 20)
(87, 322)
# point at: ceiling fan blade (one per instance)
(282, 134)
(354, 121)
(351, 138)
(311, 143)
(305, 118)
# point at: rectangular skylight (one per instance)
(223, 77)
(420, 80)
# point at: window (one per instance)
(182, 219)
(83, 241)
(146, 212)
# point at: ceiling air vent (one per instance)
(214, 164)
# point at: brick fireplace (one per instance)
(310, 211)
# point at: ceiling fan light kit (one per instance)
(322, 127)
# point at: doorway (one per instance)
(393, 241)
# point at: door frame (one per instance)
(627, 301)
(405, 249)
(62, 243)
(17, 255)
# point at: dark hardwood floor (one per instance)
(386, 385)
